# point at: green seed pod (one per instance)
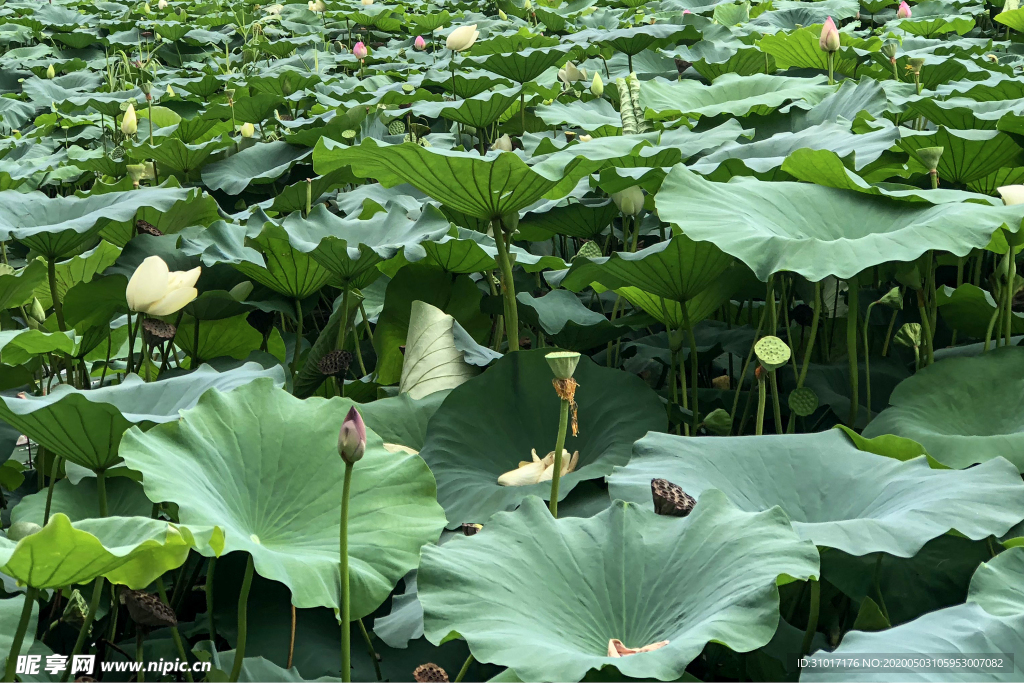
(76, 610)
(719, 422)
(930, 156)
(803, 401)
(892, 299)
(772, 352)
(909, 335)
(396, 127)
(590, 250)
(563, 363)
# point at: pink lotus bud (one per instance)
(352, 437)
(359, 51)
(419, 43)
(829, 40)
(904, 11)
(686, 11)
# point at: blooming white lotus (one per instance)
(156, 290)
(539, 469)
(462, 38)
(1012, 194)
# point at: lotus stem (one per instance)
(815, 319)
(867, 359)
(762, 398)
(1008, 312)
(83, 632)
(878, 587)
(563, 423)
(888, 332)
(58, 307)
(831, 68)
(49, 489)
(243, 624)
(101, 491)
(156, 174)
(683, 388)
(693, 362)
(140, 639)
(508, 287)
(370, 650)
(926, 328)
(298, 338)
(464, 669)
(346, 600)
(812, 617)
(775, 401)
(212, 629)
(343, 327)
(853, 302)
(19, 634)
(746, 365)
(291, 640)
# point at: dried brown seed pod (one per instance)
(157, 332)
(670, 499)
(471, 529)
(147, 228)
(335, 363)
(146, 609)
(429, 673)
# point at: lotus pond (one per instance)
(516, 340)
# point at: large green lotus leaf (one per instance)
(678, 269)
(558, 590)
(585, 219)
(566, 321)
(963, 410)
(125, 498)
(525, 65)
(843, 498)
(700, 307)
(773, 227)
(729, 94)
(998, 585)
(960, 113)
(800, 48)
(433, 362)
(484, 187)
(18, 346)
(402, 419)
(492, 422)
(280, 455)
(969, 309)
(471, 251)
(350, 248)
(80, 268)
(230, 337)
(86, 426)
(173, 154)
(967, 154)
(954, 632)
(1012, 18)
(127, 550)
(590, 116)
(769, 154)
(56, 226)
(262, 163)
(478, 111)
(636, 39)
(16, 287)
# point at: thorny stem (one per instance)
(563, 423)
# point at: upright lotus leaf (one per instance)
(964, 410)
(18, 346)
(490, 424)
(281, 455)
(998, 585)
(261, 164)
(57, 226)
(125, 498)
(677, 269)
(524, 65)
(16, 287)
(566, 321)
(432, 360)
(402, 419)
(969, 308)
(351, 248)
(558, 590)
(284, 269)
(477, 111)
(962, 631)
(471, 251)
(779, 226)
(586, 219)
(842, 498)
(485, 187)
(967, 155)
(132, 551)
(729, 94)
(86, 426)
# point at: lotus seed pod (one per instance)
(772, 352)
(146, 609)
(915, 64)
(930, 157)
(156, 332)
(563, 363)
(396, 127)
(892, 299)
(909, 335)
(671, 500)
(590, 249)
(889, 50)
(77, 609)
(429, 673)
(803, 401)
(471, 529)
(335, 364)
(718, 421)
(20, 530)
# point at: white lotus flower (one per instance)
(129, 122)
(570, 73)
(462, 38)
(630, 201)
(617, 649)
(316, 6)
(539, 469)
(1012, 194)
(155, 290)
(275, 9)
(162, 5)
(503, 144)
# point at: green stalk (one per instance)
(174, 629)
(867, 357)
(775, 401)
(156, 174)
(762, 398)
(851, 346)
(298, 338)
(991, 326)
(1008, 312)
(926, 328)
(211, 565)
(563, 422)
(812, 617)
(369, 648)
(140, 639)
(831, 68)
(243, 624)
(693, 362)
(19, 634)
(508, 287)
(101, 491)
(464, 669)
(58, 307)
(815, 319)
(746, 365)
(49, 489)
(83, 632)
(346, 601)
(682, 388)
(343, 328)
